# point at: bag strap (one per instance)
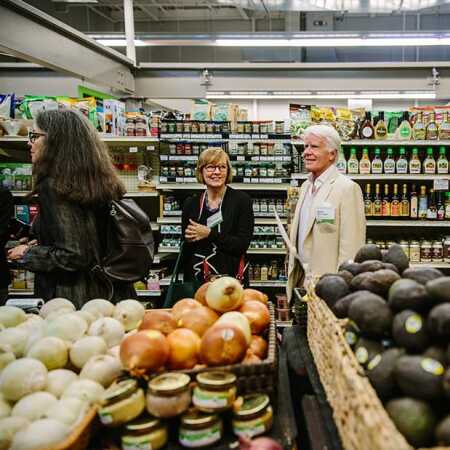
(176, 270)
(241, 270)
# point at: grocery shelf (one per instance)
(268, 283)
(159, 257)
(142, 293)
(266, 251)
(383, 176)
(258, 220)
(108, 139)
(142, 194)
(383, 142)
(408, 223)
(155, 226)
(4, 139)
(435, 265)
(162, 249)
(240, 186)
(21, 292)
(283, 323)
(20, 193)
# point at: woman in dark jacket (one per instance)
(6, 213)
(74, 180)
(217, 224)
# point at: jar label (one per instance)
(413, 324)
(374, 362)
(105, 418)
(200, 438)
(241, 429)
(362, 355)
(432, 366)
(136, 444)
(208, 400)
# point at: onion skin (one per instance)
(144, 351)
(224, 294)
(258, 346)
(184, 349)
(251, 358)
(223, 344)
(198, 320)
(240, 320)
(186, 304)
(158, 320)
(257, 314)
(200, 294)
(253, 294)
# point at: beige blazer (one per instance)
(327, 245)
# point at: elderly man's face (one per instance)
(317, 155)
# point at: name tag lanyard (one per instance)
(219, 213)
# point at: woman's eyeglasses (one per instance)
(211, 168)
(33, 135)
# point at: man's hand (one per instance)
(196, 232)
(17, 252)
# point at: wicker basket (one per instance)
(80, 436)
(360, 417)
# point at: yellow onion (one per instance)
(253, 294)
(186, 304)
(224, 294)
(201, 292)
(158, 320)
(51, 351)
(257, 314)
(103, 369)
(258, 346)
(198, 320)
(144, 351)
(238, 319)
(10, 316)
(184, 349)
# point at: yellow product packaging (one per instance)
(316, 114)
(328, 115)
(345, 125)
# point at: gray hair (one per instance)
(328, 133)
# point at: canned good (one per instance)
(187, 126)
(282, 301)
(180, 127)
(255, 128)
(202, 127)
(264, 128)
(210, 128)
(194, 128)
(248, 127)
(130, 128)
(414, 251)
(173, 149)
(240, 128)
(283, 314)
(425, 251)
(164, 128)
(172, 127)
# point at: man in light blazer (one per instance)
(329, 224)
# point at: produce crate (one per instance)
(81, 435)
(360, 417)
(258, 377)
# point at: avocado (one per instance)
(408, 294)
(414, 419)
(341, 307)
(409, 331)
(439, 321)
(436, 352)
(377, 282)
(366, 350)
(351, 333)
(422, 274)
(442, 432)
(358, 281)
(439, 289)
(331, 288)
(346, 275)
(390, 267)
(368, 251)
(380, 371)
(395, 255)
(371, 265)
(352, 267)
(371, 314)
(419, 377)
(447, 383)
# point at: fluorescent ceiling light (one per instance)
(120, 42)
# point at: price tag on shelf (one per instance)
(269, 180)
(164, 157)
(163, 179)
(246, 180)
(254, 136)
(255, 158)
(264, 136)
(150, 147)
(440, 184)
(179, 179)
(133, 149)
(240, 158)
(186, 136)
(254, 180)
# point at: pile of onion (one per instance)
(257, 314)
(186, 304)
(253, 294)
(224, 294)
(198, 320)
(184, 349)
(158, 320)
(200, 294)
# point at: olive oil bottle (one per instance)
(395, 202)
(404, 204)
(368, 203)
(377, 206)
(386, 202)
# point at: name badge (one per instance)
(325, 214)
(214, 220)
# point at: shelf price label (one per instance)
(440, 184)
(133, 149)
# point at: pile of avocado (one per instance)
(399, 329)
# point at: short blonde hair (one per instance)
(212, 155)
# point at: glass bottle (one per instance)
(257, 273)
(368, 204)
(352, 163)
(402, 162)
(364, 162)
(442, 162)
(440, 208)
(395, 202)
(419, 128)
(414, 203)
(429, 163)
(366, 131)
(264, 272)
(404, 131)
(415, 165)
(389, 162)
(341, 163)
(444, 128)
(377, 163)
(423, 202)
(447, 206)
(386, 202)
(377, 205)
(432, 129)
(432, 210)
(380, 127)
(404, 204)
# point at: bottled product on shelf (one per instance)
(264, 207)
(272, 271)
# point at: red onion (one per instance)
(261, 443)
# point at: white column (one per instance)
(129, 29)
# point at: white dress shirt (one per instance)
(305, 210)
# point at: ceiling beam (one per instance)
(242, 12)
(101, 14)
(149, 13)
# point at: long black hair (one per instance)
(75, 160)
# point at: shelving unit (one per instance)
(242, 186)
(408, 223)
(381, 177)
(258, 220)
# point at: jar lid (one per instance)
(143, 423)
(169, 383)
(251, 404)
(119, 391)
(216, 378)
(197, 418)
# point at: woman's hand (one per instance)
(196, 232)
(18, 252)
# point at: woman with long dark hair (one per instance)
(74, 180)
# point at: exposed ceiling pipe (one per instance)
(129, 28)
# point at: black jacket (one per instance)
(6, 213)
(69, 235)
(232, 241)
